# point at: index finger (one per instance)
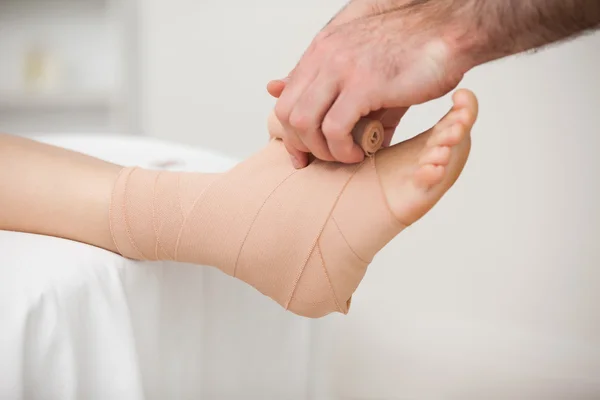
(337, 127)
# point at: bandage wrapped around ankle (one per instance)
(302, 237)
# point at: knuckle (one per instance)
(300, 121)
(333, 129)
(319, 44)
(341, 60)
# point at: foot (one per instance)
(416, 173)
(381, 197)
(302, 237)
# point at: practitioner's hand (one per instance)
(377, 64)
(390, 117)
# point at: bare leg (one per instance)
(56, 192)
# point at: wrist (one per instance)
(452, 24)
(475, 39)
(457, 24)
(357, 9)
(466, 44)
(489, 30)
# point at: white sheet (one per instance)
(78, 322)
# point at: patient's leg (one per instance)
(53, 191)
(301, 237)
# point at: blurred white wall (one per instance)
(495, 294)
(67, 66)
(206, 65)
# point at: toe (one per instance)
(445, 123)
(428, 176)
(438, 155)
(451, 136)
(466, 102)
(453, 127)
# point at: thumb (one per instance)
(275, 87)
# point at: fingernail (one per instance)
(295, 162)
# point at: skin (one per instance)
(417, 172)
(377, 58)
(52, 191)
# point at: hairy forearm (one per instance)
(491, 29)
(52, 191)
(512, 26)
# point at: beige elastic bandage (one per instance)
(302, 237)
